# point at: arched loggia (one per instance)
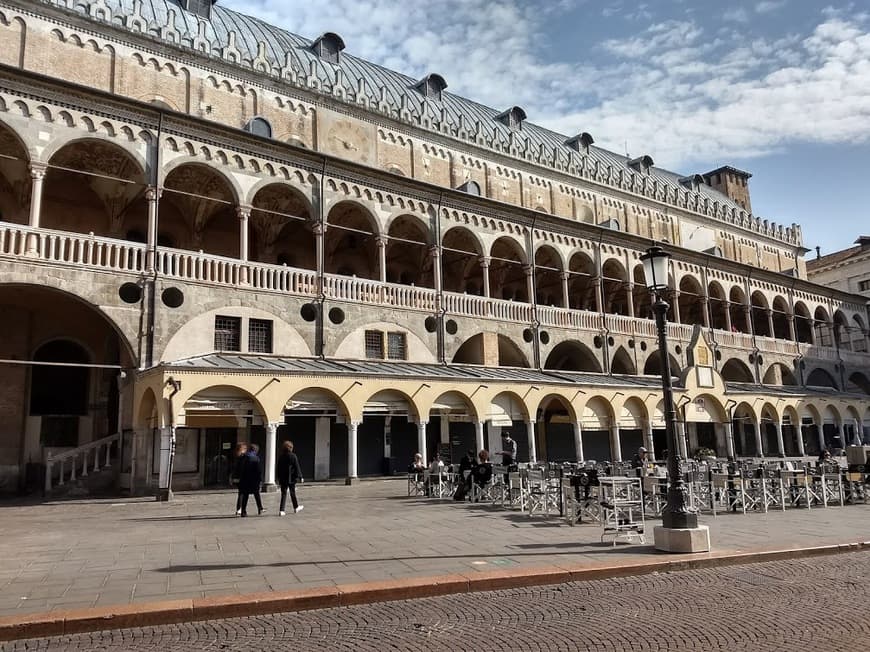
(461, 262)
(351, 242)
(282, 228)
(548, 277)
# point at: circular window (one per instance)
(336, 315)
(678, 349)
(631, 344)
(172, 297)
(718, 355)
(611, 341)
(431, 324)
(598, 341)
(130, 293)
(528, 335)
(451, 327)
(308, 312)
(545, 337)
(643, 346)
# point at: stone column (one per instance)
(382, 257)
(747, 313)
(629, 292)
(770, 323)
(675, 304)
(37, 176)
(352, 427)
(821, 436)
(530, 283)
(578, 441)
(271, 456)
(800, 439)
(167, 452)
(728, 326)
(484, 265)
(478, 434)
(759, 440)
(435, 253)
(648, 440)
(599, 293)
(421, 439)
(859, 432)
(705, 311)
(779, 439)
(729, 439)
(792, 333)
(615, 443)
(152, 195)
(566, 297)
(243, 212)
(533, 444)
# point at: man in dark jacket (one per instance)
(250, 479)
(288, 472)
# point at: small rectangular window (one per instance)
(227, 333)
(863, 286)
(375, 345)
(397, 348)
(260, 336)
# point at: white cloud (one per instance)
(768, 6)
(736, 15)
(675, 90)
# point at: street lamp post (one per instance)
(679, 531)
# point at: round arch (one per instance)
(198, 210)
(820, 377)
(581, 282)
(653, 365)
(451, 404)
(614, 287)
(572, 355)
(316, 400)
(736, 371)
(803, 323)
(146, 413)
(859, 381)
(596, 418)
(15, 178)
(824, 327)
(392, 402)
(691, 301)
(778, 374)
(737, 309)
(462, 252)
(556, 417)
(280, 224)
(718, 303)
(780, 315)
(472, 352)
(108, 183)
(351, 241)
(507, 275)
(548, 277)
(408, 257)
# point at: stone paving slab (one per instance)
(94, 553)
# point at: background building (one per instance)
(214, 230)
(847, 270)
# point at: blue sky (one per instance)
(780, 88)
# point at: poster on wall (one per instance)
(186, 450)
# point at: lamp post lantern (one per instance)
(677, 515)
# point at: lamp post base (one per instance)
(682, 540)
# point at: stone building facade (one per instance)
(214, 230)
(847, 270)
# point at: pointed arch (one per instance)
(736, 371)
(623, 363)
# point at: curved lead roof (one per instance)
(353, 75)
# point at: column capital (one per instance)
(243, 211)
(422, 423)
(317, 228)
(484, 261)
(381, 240)
(434, 251)
(153, 193)
(565, 276)
(38, 170)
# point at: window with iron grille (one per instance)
(200, 7)
(397, 348)
(260, 336)
(227, 333)
(375, 345)
(863, 286)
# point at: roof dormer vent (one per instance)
(580, 142)
(692, 182)
(431, 86)
(201, 8)
(328, 47)
(512, 118)
(641, 163)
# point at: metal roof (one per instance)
(787, 390)
(229, 362)
(286, 53)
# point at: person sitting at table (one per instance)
(482, 472)
(435, 469)
(417, 466)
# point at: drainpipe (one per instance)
(440, 310)
(176, 387)
(151, 280)
(536, 323)
(321, 294)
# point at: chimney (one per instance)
(864, 241)
(818, 252)
(732, 183)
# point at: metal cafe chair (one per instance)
(416, 484)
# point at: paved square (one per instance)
(104, 552)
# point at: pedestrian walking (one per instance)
(288, 472)
(237, 463)
(250, 479)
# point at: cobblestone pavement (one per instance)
(88, 553)
(809, 604)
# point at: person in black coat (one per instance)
(250, 479)
(238, 462)
(288, 473)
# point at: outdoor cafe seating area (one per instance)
(619, 498)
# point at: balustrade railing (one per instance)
(566, 318)
(71, 248)
(79, 462)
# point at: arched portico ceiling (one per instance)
(460, 262)
(505, 408)
(222, 405)
(704, 408)
(769, 413)
(556, 408)
(622, 363)
(280, 217)
(453, 405)
(821, 378)
(316, 401)
(392, 402)
(736, 371)
(860, 382)
(572, 356)
(15, 179)
(408, 257)
(633, 414)
(597, 414)
(201, 195)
